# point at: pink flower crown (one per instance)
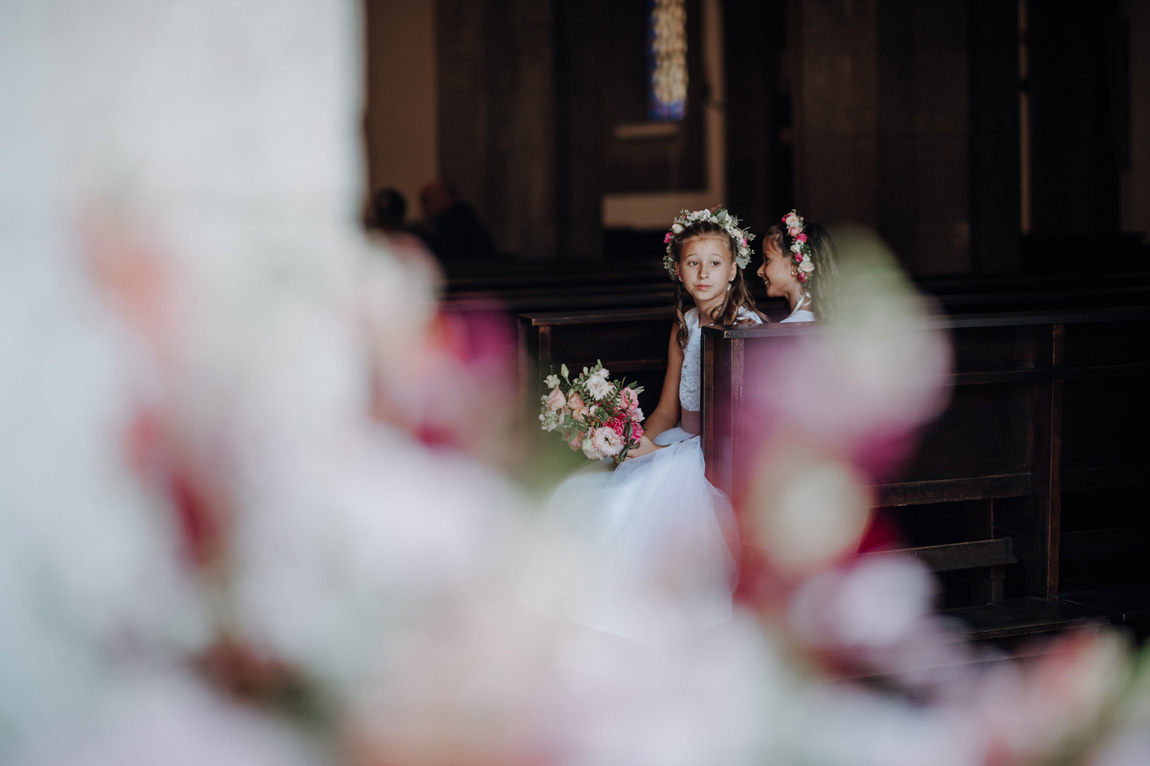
(800, 250)
(718, 215)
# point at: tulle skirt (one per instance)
(646, 550)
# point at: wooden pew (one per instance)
(1046, 406)
(631, 343)
(539, 286)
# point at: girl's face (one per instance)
(776, 272)
(706, 267)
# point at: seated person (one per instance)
(453, 230)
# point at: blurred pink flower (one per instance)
(579, 409)
(555, 400)
(631, 402)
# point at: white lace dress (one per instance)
(646, 550)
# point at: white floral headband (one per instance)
(799, 247)
(717, 215)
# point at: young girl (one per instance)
(647, 550)
(800, 263)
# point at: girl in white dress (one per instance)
(800, 263)
(648, 550)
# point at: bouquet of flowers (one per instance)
(593, 413)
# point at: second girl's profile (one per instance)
(800, 263)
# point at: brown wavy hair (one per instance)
(823, 284)
(738, 297)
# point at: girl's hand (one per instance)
(646, 447)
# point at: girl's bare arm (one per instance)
(666, 414)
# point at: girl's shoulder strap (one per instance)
(746, 314)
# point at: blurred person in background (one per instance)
(451, 226)
(389, 210)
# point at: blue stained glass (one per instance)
(667, 60)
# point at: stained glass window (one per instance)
(668, 60)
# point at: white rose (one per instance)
(606, 442)
(590, 451)
(807, 266)
(677, 228)
(598, 386)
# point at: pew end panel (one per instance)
(631, 343)
(1046, 426)
(1104, 546)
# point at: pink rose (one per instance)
(577, 405)
(619, 423)
(555, 400)
(630, 400)
(668, 238)
(605, 441)
(801, 238)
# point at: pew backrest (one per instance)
(1042, 403)
(631, 343)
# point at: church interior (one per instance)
(996, 148)
(288, 288)
(977, 138)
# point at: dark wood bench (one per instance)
(631, 343)
(540, 286)
(1048, 415)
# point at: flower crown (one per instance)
(717, 215)
(799, 247)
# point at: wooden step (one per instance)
(1023, 618)
(1128, 607)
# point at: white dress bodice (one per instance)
(800, 315)
(691, 377)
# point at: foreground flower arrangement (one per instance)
(225, 543)
(593, 413)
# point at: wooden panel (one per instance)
(1012, 618)
(1027, 411)
(1107, 423)
(1043, 510)
(1097, 344)
(953, 490)
(983, 432)
(968, 555)
(631, 343)
(995, 348)
(1125, 474)
(1103, 542)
